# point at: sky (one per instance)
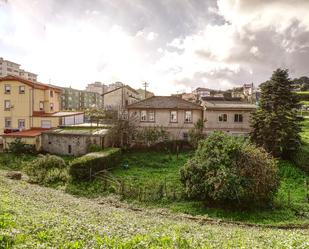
(174, 45)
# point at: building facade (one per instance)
(12, 68)
(26, 105)
(73, 99)
(174, 114)
(97, 87)
(229, 116)
(119, 98)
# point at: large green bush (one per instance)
(229, 170)
(19, 147)
(46, 170)
(85, 167)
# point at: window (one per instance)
(21, 89)
(173, 117)
(223, 117)
(7, 105)
(69, 149)
(7, 122)
(151, 116)
(143, 115)
(41, 106)
(21, 123)
(51, 107)
(238, 118)
(51, 93)
(7, 89)
(188, 116)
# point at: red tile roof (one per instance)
(55, 114)
(34, 84)
(26, 133)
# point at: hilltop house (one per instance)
(27, 108)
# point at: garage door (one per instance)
(46, 124)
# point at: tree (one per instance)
(229, 170)
(275, 124)
(196, 133)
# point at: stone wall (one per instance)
(68, 144)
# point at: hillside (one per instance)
(32, 216)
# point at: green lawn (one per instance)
(36, 217)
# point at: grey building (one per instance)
(74, 99)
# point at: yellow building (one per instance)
(26, 105)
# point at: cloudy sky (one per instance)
(174, 45)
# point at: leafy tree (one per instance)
(152, 135)
(98, 115)
(196, 133)
(275, 124)
(229, 170)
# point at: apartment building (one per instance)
(73, 99)
(27, 108)
(12, 68)
(97, 87)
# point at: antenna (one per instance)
(145, 85)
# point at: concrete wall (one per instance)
(162, 118)
(119, 98)
(59, 143)
(212, 121)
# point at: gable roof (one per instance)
(228, 105)
(126, 86)
(33, 84)
(164, 102)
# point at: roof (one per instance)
(164, 102)
(127, 86)
(55, 114)
(79, 132)
(227, 105)
(33, 84)
(26, 133)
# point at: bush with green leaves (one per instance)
(87, 166)
(196, 133)
(151, 135)
(47, 170)
(19, 147)
(227, 169)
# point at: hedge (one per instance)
(85, 167)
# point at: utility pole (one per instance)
(145, 84)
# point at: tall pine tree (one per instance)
(275, 124)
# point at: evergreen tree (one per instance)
(275, 124)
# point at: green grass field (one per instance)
(37, 217)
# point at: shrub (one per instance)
(227, 169)
(19, 147)
(94, 148)
(196, 133)
(83, 168)
(301, 158)
(46, 170)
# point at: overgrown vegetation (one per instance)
(47, 170)
(46, 218)
(19, 147)
(89, 165)
(230, 171)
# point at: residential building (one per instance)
(142, 94)
(174, 114)
(27, 107)
(231, 116)
(97, 87)
(114, 86)
(119, 98)
(12, 68)
(202, 92)
(73, 99)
